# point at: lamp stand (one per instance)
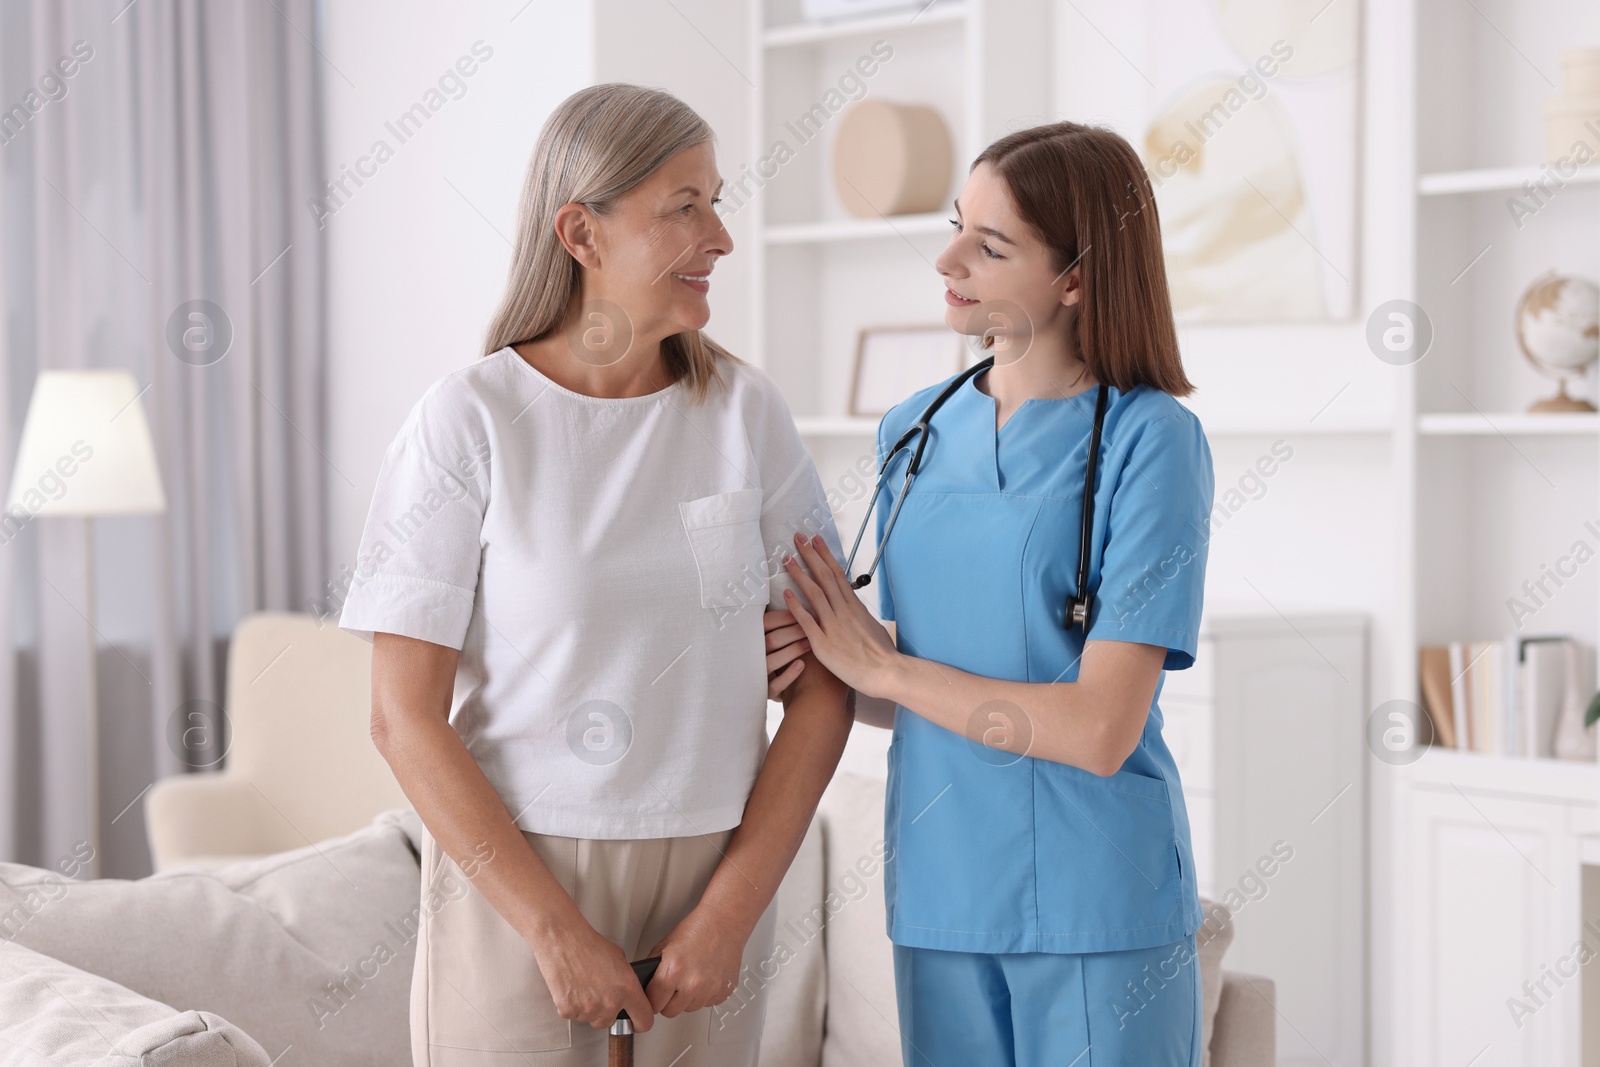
(92, 741)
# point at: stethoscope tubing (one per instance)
(1077, 609)
(919, 430)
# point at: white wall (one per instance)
(417, 255)
(699, 53)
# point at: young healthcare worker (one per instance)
(1041, 895)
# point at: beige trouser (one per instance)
(478, 998)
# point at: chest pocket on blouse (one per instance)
(724, 532)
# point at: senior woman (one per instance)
(563, 573)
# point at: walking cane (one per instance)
(620, 1046)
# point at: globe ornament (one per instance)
(1558, 330)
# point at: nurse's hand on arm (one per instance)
(589, 978)
(1093, 723)
(786, 642)
(700, 958)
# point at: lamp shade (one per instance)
(86, 448)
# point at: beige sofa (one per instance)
(304, 958)
(251, 945)
(305, 954)
(301, 766)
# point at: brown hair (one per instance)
(596, 146)
(1084, 191)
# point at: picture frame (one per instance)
(892, 362)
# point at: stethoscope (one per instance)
(1077, 613)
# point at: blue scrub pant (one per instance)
(1033, 1009)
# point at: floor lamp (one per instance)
(86, 452)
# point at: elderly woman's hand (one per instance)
(839, 629)
(700, 962)
(786, 643)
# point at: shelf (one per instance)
(807, 33)
(1446, 424)
(1449, 769)
(1465, 424)
(1284, 428)
(1500, 179)
(849, 426)
(836, 426)
(806, 233)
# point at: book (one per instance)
(1573, 741)
(1542, 691)
(1509, 696)
(1458, 695)
(1484, 696)
(1433, 671)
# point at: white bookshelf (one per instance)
(1560, 424)
(796, 33)
(1499, 490)
(807, 233)
(1500, 179)
(1481, 857)
(849, 426)
(818, 275)
(836, 426)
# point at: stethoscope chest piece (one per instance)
(1078, 611)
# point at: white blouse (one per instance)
(602, 564)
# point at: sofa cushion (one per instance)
(1211, 941)
(796, 995)
(52, 1012)
(1247, 1022)
(863, 1022)
(308, 951)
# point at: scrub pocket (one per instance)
(724, 532)
(1122, 828)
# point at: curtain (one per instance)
(156, 162)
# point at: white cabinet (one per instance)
(1494, 868)
(1267, 729)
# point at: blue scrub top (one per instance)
(994, 852)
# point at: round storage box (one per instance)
(1572, 120)
(1580, 73)
(1569, 125)
(891, 159)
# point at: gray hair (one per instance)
(596, 146)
